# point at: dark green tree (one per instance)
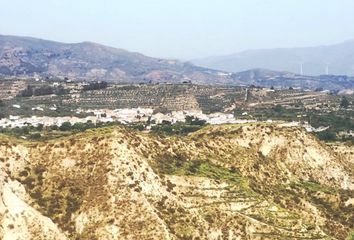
(35, 136)
(79, 126)
(344, 103)
(66, 126)
(278, 108)
(40, 127)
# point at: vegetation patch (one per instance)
(178, 165)
(351, 235)
(167, 128)
(330, 201)
(54, 198)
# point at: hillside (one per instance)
(24, 56)
(264, 181)
(338, 58)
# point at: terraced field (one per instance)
(162, 97)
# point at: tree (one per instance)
(41, 91)
(95, 86)
(28, 92)
(54, 128)
(165, 122)
(40, 127)
(191, 120)
(25, 130)
(35, 136)
(278, 108)
(66, 126)
(327, 136)
(79, 126)
(60, 90)
(344, 103)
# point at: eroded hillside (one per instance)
(259, 181)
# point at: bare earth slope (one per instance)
(222, 182)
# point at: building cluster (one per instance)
(136, 115)
(125, 116)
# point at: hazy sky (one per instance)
(182, 29)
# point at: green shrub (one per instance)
(35, 136)
(326, 136)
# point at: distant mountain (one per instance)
(339, 58)
(28, 57)
(24, 56)
(268, 78)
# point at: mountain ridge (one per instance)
(26, 56)
(286, 79)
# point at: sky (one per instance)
(182, 29)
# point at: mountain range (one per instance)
(283, 79)
(335, 59)
(31, 57)
(25, 56)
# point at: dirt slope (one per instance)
(222, 182)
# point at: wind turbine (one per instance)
(301, 68)
(327, 69)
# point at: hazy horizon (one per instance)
(182, 29)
